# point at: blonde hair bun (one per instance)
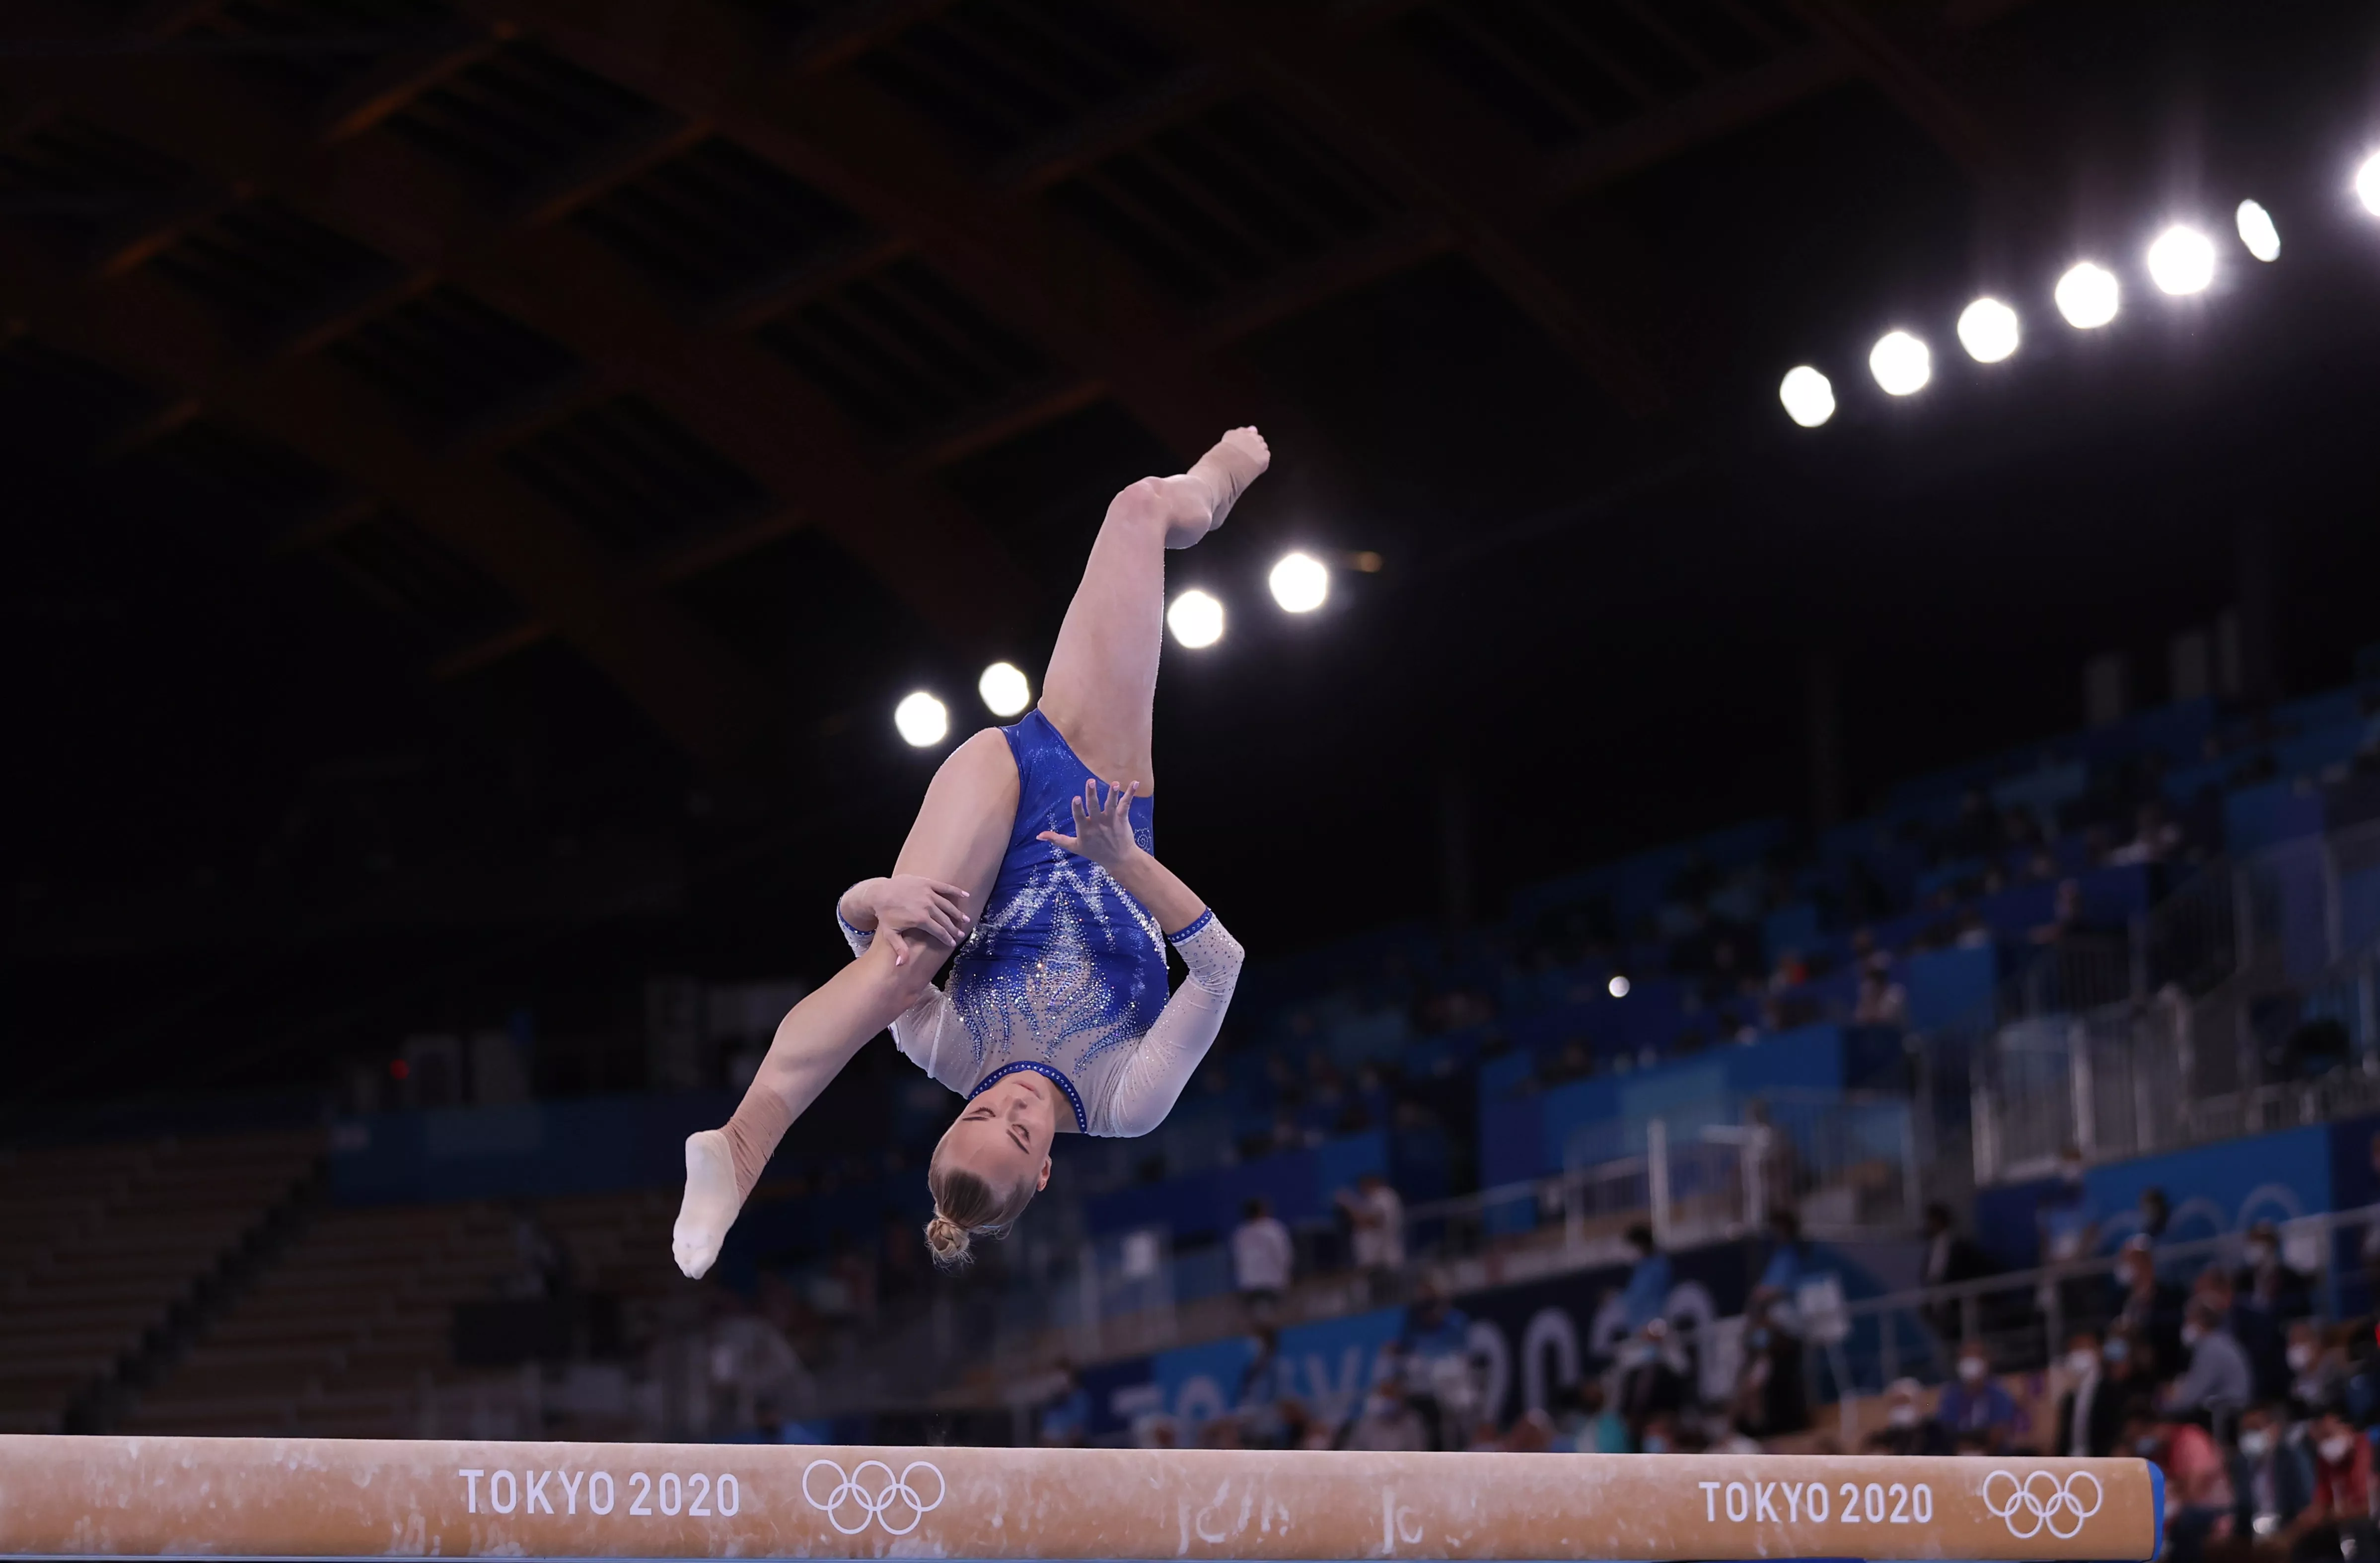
(948, 1241)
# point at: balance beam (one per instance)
(326, 1497)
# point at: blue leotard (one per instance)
(1064, 973)
(1064, 965)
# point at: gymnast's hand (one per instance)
(1102, 831)
(908, 904)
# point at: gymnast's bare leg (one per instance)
(1100, 692)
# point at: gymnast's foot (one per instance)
(710, 1204)
(1238, 459)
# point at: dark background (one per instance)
(306, 755)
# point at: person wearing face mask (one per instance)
(2091, 1413)
(2199, 1499)
(1770, 1397)
(1652, 1377)
(1907, 1429)
(2149, 1307)
(2272, 1478)
(2267, 1294)
(2217, 1382)
(2318, 1369)
(1973, 1407)
(2338, 1523)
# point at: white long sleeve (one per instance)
(929, 1033)
(1162, 1064)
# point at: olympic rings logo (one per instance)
(881, 1507)
(2057, 1507)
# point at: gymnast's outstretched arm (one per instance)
(1166, 1057)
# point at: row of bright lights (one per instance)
(2181, 261)
(1300, 584)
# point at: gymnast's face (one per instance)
(1004, 1136)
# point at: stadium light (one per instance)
(922, 720)
(2257, 231)
(2181, 261)
(2087, 296)
(1901, 363)
(1004, 689)
(1299, 583)
(1617, 987)
(2367, 184)
(1196, 619)
(1809, 396)
(1987, 330)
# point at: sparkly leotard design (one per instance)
(1064, 975)
(1064, 965)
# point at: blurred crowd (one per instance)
(2261, 1412)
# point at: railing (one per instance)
(2025, 1317)
(1702, 1172)
(2212, 1036)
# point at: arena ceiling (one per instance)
(493, 461)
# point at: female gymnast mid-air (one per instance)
(1031, 858)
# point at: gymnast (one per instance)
(1055, 1018)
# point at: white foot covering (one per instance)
(710, 1205)
(1238, 459)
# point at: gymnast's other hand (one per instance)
(909, 904)
(1102, 830)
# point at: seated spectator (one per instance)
(1907, 1429)
(1770, 1397)
(1585, 1424)
(1972, 1407)
(1652, 1378)
(1298, 1428)
(2272, 1479)
(2199, 1501)
(1436, 1346)
(1261, 1256)
(2091, 1412)
(1661, 1435)
(2318, 1367)
(1386, 1422)
(2217, 1382)
(2337, 1522)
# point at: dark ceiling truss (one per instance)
(465, 227)
(681, 275)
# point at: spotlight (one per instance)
(2257, 231)
(923, 720)
(2087, 296)
(1196, 619)
(2181, 261)
(1809, 396)
(1300, 582)
(1987, 331)
(2367, 184)
(1900, 364)
(1617, 987)
(1004, 688)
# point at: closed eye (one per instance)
(1024, 1141)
